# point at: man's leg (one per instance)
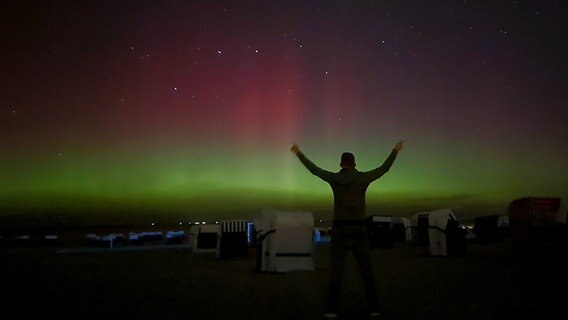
(339, 247)
(362, 254)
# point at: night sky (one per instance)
(190, 107)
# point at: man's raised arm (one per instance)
(384, 168)
(315, 170)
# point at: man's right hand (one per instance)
(295, 149)
(398, 145)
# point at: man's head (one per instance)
(347, 160)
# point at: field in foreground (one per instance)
(176, 283)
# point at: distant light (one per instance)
(256, 51)
(321, 221)
(152, 223)
(202, 222)
(175, 88)
(216, 222)
(219, 52)
(180, 223)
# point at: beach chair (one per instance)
(232, 239)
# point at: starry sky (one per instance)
(189, 108)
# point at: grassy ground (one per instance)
(487, 283)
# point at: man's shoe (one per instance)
(330, 315)
(375, 315)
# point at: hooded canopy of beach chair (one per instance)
(204, 237)
(232, 239)
(402, 223)
(445, 236)
(287, 240)
(419, 228)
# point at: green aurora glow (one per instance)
(230, 182)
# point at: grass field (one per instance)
(176, 283)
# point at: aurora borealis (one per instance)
(189, 108)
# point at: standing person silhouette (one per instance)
(349, 232)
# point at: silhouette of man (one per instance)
(349, 232)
